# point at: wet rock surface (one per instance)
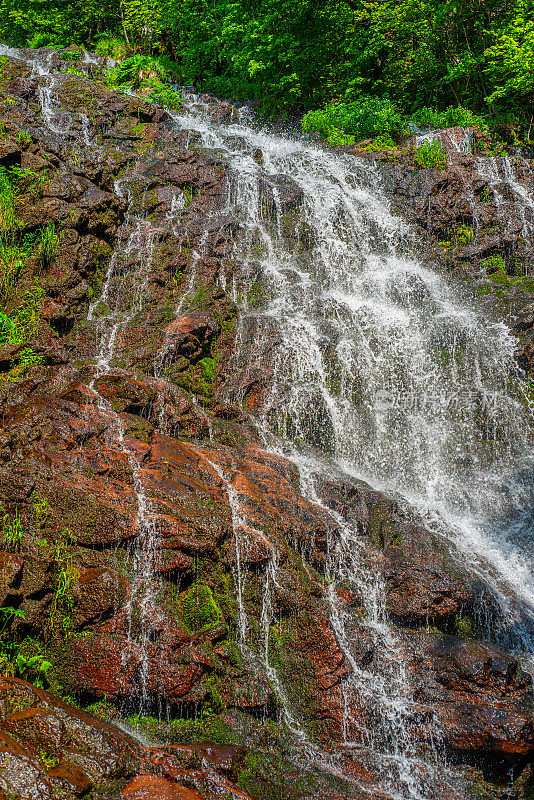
(477, 218)
(139, 199)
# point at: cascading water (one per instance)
(383, 371)
(380, 370)
(500, 174)
(120, 301)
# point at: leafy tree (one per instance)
(510, 64)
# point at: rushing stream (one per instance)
(380, 370)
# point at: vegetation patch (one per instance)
(199, 609)
(431, 155)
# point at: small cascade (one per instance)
(164, 354)
(458, 139)
(241, 531)
(305, 751)
(500, 174)
(121, 300)
(377, 688)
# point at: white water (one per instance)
(381, 364)
(121, 300)
(499, 171)
(390, 374)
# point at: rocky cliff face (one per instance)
(150, 511)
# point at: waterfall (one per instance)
(383, 371)
(374, 367)
(500, 175)
(382, 366)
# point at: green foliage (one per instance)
(431, 155)
(136, 69)
(165, 96)
(494, 264)
(208, 726)
(449, 118)
(464, 235)
(62, 552)
(364, 119)
(7, 328)
(24, 139)
(71, 55)
(12, 531)
(383, 142)
(464, 628)
(111, 46)
(48, 244)
(48, 761)
(336, 138)
(19, 324)
(55, 23)
(20, 659)
(9, 223)
(436, 62)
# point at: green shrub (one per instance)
(336, 138)
(366, 118)
(136, 69)
(165, 96)
(383, 142)
(109, 46)
(450, 118)
(431, 155)
(71, 55)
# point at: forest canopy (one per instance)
(412, 56)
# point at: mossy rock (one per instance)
(199, 608)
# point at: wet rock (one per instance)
(23, 87)
(453, 140)
(279, 194)
(478, 694)
(187, 337)
(49, 749)
(151, 787)
(10, 154)
(424, 583)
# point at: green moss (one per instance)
(272, 777)
(102, 709)
(199, 609)
(255, 295)
(200, 297)
(463, 626)
(503, 283)
(464, 235)
(207, 727)
(382, 529)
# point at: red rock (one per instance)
(151, 787)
